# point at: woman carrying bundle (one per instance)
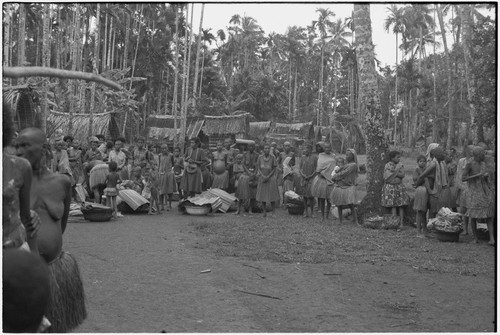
(344, 191)
(195, 159)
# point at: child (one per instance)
(480, 202)
(112, 180)
(339, 162)
(150, 190)
(462, 187)
(394, 195)
(344, 192)
(240, 192)
(178, 168)
(421, 198)
(167, 179)
(288, 175)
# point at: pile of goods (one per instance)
(96, 212)
(294, 203)
(211, 200)
(446, 221)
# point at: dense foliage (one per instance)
(306, 74)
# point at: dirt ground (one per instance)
(144, 274)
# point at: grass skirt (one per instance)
(244, 191)
(66, 308)
(221, 180)
(167, 183)
(320, 188)
(191, 182)
(394, 195)
(98, 175)
(480, 200)
(421, 199)
(343, 196)
(462, 197)
(268, 192)
(110, 192)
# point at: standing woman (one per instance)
(436, 173)
(195, 159)
(167, 178)
(480, 203)
(247, 183)
(307, 171)
(344, 192)
(120, 158)
(322, 185)
(267, 186)
(75, 158)
(220, 168)
(394, 195)
(50, 198)
(16, 185)
(462, 187)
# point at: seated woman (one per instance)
(50, 199)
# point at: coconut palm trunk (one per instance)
(46, 63)
(451, 113)
(198, 50)
(376, 144)
(176, 73)
(95, 65)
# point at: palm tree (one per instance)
(95, 65)
(198, 50)
(451, 114)
(396, 19)
(322, 25)
(376, 144)
(45, 62)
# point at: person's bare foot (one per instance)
(492, 243)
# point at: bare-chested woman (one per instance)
(50, 198)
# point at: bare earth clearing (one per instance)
(142, 274)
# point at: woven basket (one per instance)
(447, 237)
(97, 214)
(296, 210)
(388, 221)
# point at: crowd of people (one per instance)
(42, 176)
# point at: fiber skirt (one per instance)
(191, 182)
(268, 192)
(110, 192)
(342, 196)
(98, 175)
(167, 183)
(320, 188)
(66, 307)
(244, 191)
(421, 199)
(462, 197)
(221, 180)
(394, 195)
(304, 188)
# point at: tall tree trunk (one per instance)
(396, 100)
(166, 91)
(176, 72)
(46, 63)
(95, 66)
(198, 49)
(320, 90)
(127, 41)
(74, 55)
(451, 113)
(6, 38)
(290, 116)
(466, 18)
(111, 45)
(21, 35)
(186, 75)
(376, 144)
(104, 49)
(295, 95)
(201, 74)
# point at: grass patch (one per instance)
(289, 239)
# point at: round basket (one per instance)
(296, 210)
(447, 236)
(197, 210)
(97, 214)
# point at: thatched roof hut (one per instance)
(162, 127)
(297, 132)
(226, 125)
(259, 130)
(103, 123)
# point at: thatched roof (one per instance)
(103, 123)
(163, 127)
(301, 130)
(156, 133)
(24, 101)
(228, 124)
(161, 121)
(259, 130)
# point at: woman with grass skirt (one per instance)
(267, 187)
(344, 191)
(480, 200)
(394, 194)
(322, 184)
(50, 199)
(195, 159)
